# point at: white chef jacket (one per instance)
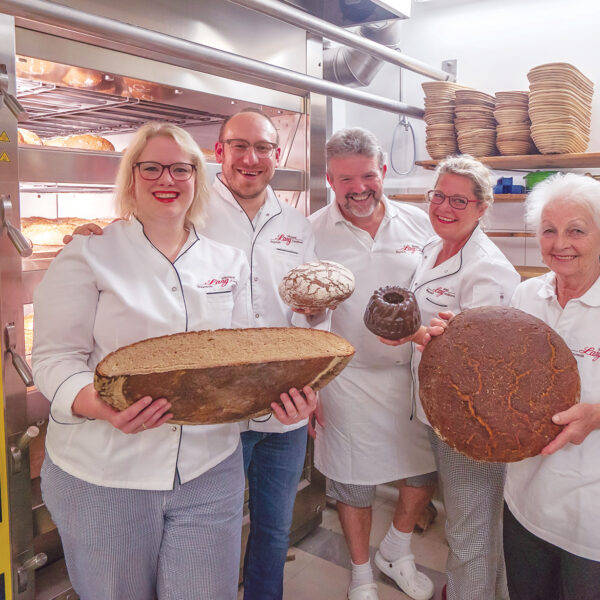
(368, 436)
(477, 275)
(277, 240)
(557, 497)
(104, 292)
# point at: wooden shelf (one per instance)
(527, 272)
(521, 234)
(421, 197)
(582, 160)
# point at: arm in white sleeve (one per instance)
(242, 307)
(65, 310)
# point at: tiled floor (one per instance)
(321, 566)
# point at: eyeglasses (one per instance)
(261, 149)
(457, 202)
(152, 170)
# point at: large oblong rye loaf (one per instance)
(221, 376)
(491, 383)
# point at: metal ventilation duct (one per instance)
(352, 67)
(347, 13)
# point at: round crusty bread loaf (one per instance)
(86, 141)
(83, 78)
(316, 285)
(491, 383)
(392, 313)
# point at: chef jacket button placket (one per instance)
(257, 315)
(256, 279)
(173, 427)
(174, 288)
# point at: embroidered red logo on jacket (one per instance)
(408, 249)
(282, 238)
(591, 351)
(440, 291)
(219, 282)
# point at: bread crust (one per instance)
(231, 392)
(491, 384)
(28, 137)
(86, 141)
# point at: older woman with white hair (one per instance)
(144, 508)
(462, 268)
(552, 516)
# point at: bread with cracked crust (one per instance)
(316, 285)
(492, 382)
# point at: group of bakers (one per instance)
(159, 511)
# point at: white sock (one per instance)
(395, 544)
(361, 574)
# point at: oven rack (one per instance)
(56, 110)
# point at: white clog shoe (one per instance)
(404, 572)
(368, 591)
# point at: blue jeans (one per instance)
(273, 463)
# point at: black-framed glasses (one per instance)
(261, 149)
(152, 170)
(458, 202)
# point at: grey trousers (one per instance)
(473, 498)
(179, 544)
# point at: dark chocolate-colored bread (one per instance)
(392, 313)
(491, 383)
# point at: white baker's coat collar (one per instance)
(271, 205)
(548, 290)
(335, 214)
(137, 229)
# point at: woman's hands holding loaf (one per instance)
(579, 421)
(144, 414)
(296, 407)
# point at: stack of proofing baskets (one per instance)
(560, 108)
(440, 100)
(513, 132)
(475, 123)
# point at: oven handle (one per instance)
(19, 363)
(19, 241)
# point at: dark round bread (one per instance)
(392, 313)
(491, 383)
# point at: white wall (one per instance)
(495, 43)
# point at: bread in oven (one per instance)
(28, 137)
(86, 141)
(83, 78)
(50, 232)
(221, 376)
(492, 382)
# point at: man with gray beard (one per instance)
(368, 436)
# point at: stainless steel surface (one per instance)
(16, 237)
(25, 571)
(172, 50)
(318, 129)
(52, 582)
(13, 401)
(293, 16)
(354, 67)
(48, 165)
(7, 98)
(31, 432)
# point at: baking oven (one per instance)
(60, 87)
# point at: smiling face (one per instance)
(570, 240)
(162, 198)
(247, 175)
(452, 225)
(357, 182)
